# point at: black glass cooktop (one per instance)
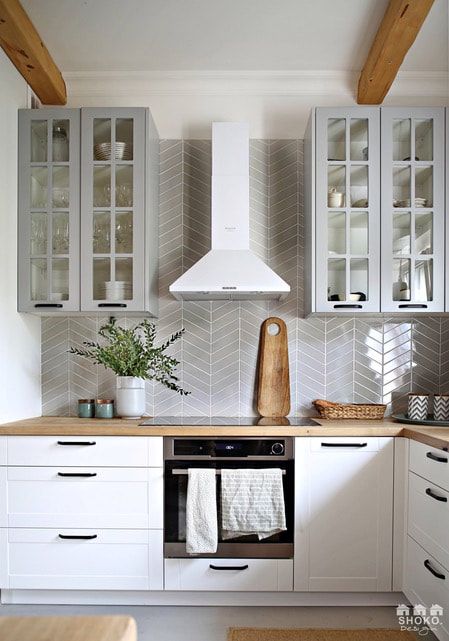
(244, 421)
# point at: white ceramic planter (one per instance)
(130, 397)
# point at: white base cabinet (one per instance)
(233, 575)
(344, 512)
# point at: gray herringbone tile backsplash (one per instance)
(347, 359)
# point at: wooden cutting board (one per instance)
(273, 387)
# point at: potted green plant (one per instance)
(132, 355)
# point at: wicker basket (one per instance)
(327, 409)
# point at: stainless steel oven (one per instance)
(243, 452)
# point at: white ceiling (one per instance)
(145, 35)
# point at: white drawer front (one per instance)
(114, 560)
(106, 498)
(107, 451)
(428, 517)
(430, 463)
(327, 444)
(421, 587)
(261, 575)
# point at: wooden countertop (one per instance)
(56, 425)
(93, 628)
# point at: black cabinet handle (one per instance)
(80, 537)
(77, 474)
(348, 306)
(434, 457)
(112, 305)
(443, 499)
(48, 305)
(77, 443)
(228, 567)
(434, 572)
(412, 306)
(344, 444)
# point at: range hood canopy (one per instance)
(230, 270)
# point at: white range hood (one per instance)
(230, 270)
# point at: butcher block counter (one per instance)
(64, 426)
(101, 628)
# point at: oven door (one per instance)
(278, 546)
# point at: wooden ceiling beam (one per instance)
(24, 47)
(396, 34)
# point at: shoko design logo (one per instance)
(419, 618)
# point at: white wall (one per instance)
(20, 339)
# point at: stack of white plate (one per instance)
(420, 202)
(118, 290)
(123, 151)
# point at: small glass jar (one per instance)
(86, 407)
(104, 408)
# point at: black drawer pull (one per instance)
(112, 305)
(434, 572)
(344, 444)
(412, 306)
(434, 457)
(80, 537)
(443, 499)
(77, 474)
(228, 567)
(48, 305)
(77, 443)
(348, 306)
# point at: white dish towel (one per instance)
(252, 502)
(201, 512)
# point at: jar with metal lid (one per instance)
(86, 407)
(104, 408)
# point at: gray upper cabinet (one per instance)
(88, 211)
(347, 210)
(413, 225)
(49, 210)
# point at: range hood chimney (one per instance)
(230, 270)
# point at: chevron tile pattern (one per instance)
(344, 358)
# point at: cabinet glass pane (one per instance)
(124, 138)
(401, 279)
(336, 232)
(358, 232)
(336, 181)
(401, 139)
(336, 139)
(39, 141)
(359, 138)
(101, 275)
(102, 186)
(423, 186)
(336, 279)
(102, 139)
(424, 139)
(124, 186)
(60, 143)
(102, 232)
(60, 233)
(424, 280)
(39, 234)
(358, 278)
(60, 279)
(424, 233)
(401, 233)
(124, 232)
(39, 183)
(124, 278)
(38, 279)
(401, 186)
(359, 186)
(60, 187)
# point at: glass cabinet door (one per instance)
(412, 142)
(49, 210)
(112, 245)
(347, 210)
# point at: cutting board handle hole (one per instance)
(273, 329)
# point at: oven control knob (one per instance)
(277, 448)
